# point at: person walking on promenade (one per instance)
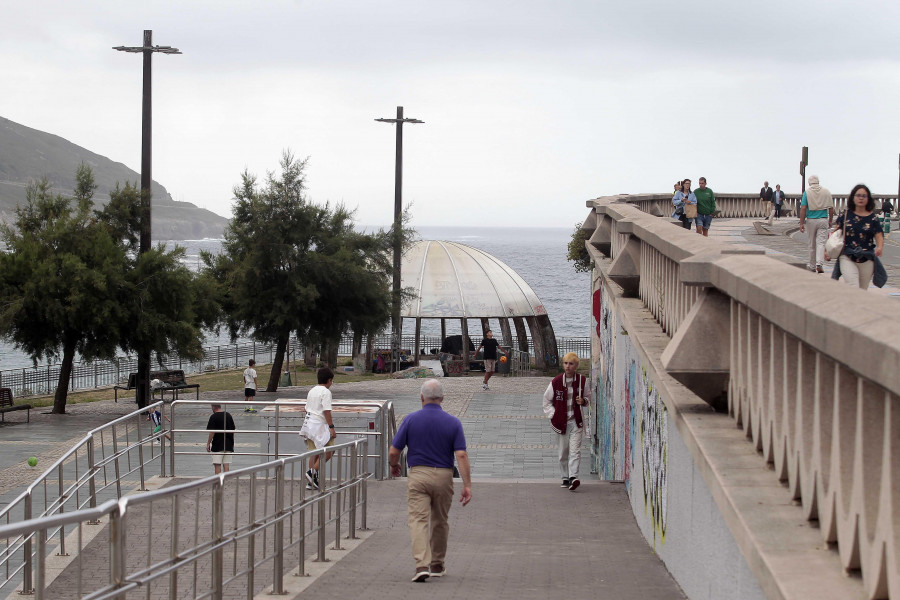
(433, 437)
(768, 197)
(318, 426)
(816, 214)
(220, 444)
(778, 200)
(564, 399)
(250, 385)
(491, 348)
(863, 241)
(706, 207)
(681, 200)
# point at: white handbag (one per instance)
(834, 245)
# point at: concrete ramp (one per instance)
(516, 540)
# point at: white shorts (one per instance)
(490, 365)
(221, 458)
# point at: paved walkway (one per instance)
(521, 536)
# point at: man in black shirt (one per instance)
(491, 348)
(220, 444)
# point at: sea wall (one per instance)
(634, 440)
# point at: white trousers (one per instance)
(858, 274)
(570, 450)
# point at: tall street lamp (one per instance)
(396, 328)
(142, 390)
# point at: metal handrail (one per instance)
(86, 473)
(285, 511)
(383, 435)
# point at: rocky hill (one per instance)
(28, 154)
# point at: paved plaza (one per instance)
(521, 537)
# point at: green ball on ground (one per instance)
(32, 462)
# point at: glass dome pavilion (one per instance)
(458, 282)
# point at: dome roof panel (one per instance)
(452, 280)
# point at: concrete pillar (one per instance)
(485, 327)
(465, 345)
(443, 330)
(505, 332)
(537, 337)
(521, 333)
(550, 348)
(418, 333)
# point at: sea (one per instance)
(538, 255)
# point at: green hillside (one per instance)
(28, 154)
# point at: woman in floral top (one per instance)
(863, 238)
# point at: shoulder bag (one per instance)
(834, 245)
(690, 210)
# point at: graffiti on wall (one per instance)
(605, 440)
(654, 449)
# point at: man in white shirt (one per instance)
(250, 385)
(318, 427)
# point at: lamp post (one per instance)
(142, 390)
(396, 328)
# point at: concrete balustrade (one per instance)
(804, 373)
(737, 206)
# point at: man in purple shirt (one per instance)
(433, 438)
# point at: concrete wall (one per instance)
(634, 439)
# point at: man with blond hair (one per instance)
(566, 396)
(434, 438)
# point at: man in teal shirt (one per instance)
(816, 213)
(706, 207)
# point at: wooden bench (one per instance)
(174, 381)
(6, 404)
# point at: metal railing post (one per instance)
(140, 448)
(117, 568)
(41, 570)
(27, 587)
(363, 524)
(354, 457)
(172, 439)
(217, 558)
(278, 559)
(62, 509)
(251, 539)
(338, 497)
(321, 508)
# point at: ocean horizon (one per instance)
(537, 254)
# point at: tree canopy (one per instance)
(291, 266)
(71, 282)
(577, 253)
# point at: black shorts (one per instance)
(249, 392)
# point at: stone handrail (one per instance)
(735, 206)
(807, 367)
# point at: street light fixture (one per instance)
(396, 327)
(142, 389)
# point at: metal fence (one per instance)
(42, 380)
(109, 461)
(234, 532)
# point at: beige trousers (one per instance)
(816, 234)
(858, 274)
(430, 494)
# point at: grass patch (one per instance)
(216, 381)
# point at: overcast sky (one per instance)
(530, 108)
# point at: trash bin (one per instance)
(285, 379)
(503, 367)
